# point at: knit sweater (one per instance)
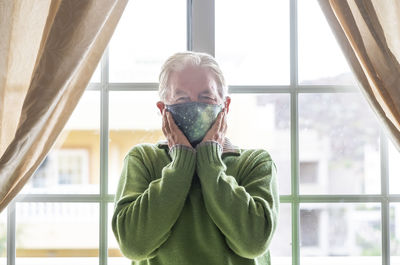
(199, 206)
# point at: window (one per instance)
(72, 166)
(64, 167)
(310, 222)
(309, 172)
(3, 237)
(292, 94)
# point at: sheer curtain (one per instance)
(48, 53)
(368, 32)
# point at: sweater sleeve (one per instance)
(145, 210)
(246, 215)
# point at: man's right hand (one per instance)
(171, 131)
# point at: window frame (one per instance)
(201, 37)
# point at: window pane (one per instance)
(395, 233)
(252, 41)
(57, 233)
(134, 118)
(339, 144)
(346, 234)
(321, 61)
(115, 257)
(394, 168)
(72, 165)
(263, 121)
(3, 237)
(281, 245)
(96, 77)
(145, 37)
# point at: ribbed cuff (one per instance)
(209, 152)
(183, 157)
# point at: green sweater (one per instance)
(196, 206)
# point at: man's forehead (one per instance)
(207, 90)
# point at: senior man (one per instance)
(195, 199)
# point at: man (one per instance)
(195, 199)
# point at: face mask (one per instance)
(194, 119)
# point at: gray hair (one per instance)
(179, 60)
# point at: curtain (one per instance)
(49, 50)
(368, 32)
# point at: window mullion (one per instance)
(294, 133)
(11, 223)
(293, 44)
(294, 139)
(104, 158)
(189, 6)
(385, 207)
(203, 26)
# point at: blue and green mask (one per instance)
(194, 119)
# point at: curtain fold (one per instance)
(48, 53)
(368, 32)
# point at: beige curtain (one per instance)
(48, 53)
(368, 32)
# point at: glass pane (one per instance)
(321, 61)
(395, 233)
(337, 233)
(57, 233)
(394, 169)
(145, 37)
(72, 165)
(281, 245)
(3, 237)
(133, 118)
(252, 41)
(115, 257)
(263, 121)
(339, 144)
(96, 77)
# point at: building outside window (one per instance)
(72, 166)
(309, 172)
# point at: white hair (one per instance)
(180, 60)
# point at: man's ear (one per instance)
(227, 103)
(160, 106)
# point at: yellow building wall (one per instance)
(120, 142)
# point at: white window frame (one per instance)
(201, 37)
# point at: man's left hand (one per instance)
(218, 130)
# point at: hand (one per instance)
(171, 131)
(218, 130)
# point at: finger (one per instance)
(163, 124)
(172, 123)
(224, 124)
(220, 120)
(225, 130)
(216, 126)
(166, 123)
(177, 136)
(163, 129)
(222, 129)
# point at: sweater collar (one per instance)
(228, 147)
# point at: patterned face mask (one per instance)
(194, 119)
